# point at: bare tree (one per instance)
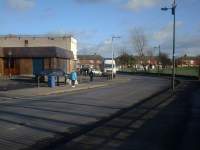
(125, 59)
(140, 41)
(164, 59)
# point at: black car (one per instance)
(52, 72)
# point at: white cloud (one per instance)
(185, 43)
(103, 48)
(188, 44)
(166, 32)
(21, 4)
(128, 4)
(139, 4)
(92, 1)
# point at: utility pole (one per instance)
(158, 57)
(174, 34)
(173, 9)
(199, 66)
(114, 37)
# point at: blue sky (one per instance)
(94, 22)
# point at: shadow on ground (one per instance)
(159, 124)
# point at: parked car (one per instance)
(97, 72)
(53, 72)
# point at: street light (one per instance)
(114, 37)
(9, 62)
(173, 9)
(158, 57)
(199, 66)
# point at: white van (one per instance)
(107, 67)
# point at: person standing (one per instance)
(73, 78)
(91, 74)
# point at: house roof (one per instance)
(36, 52)
(189, 57)
(90, 57)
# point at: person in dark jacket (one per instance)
(91, 74)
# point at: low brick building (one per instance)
(31, 53)
(32, 60)
(92, 61)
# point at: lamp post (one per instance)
(173, 9)
(158, 57)
(9, 63)
(114, 37)
(199, 65)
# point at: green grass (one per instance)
(188, 71)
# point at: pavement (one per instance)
(22, 90)
(7, 84)
(38, 122)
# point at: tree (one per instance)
(140, 41)
(125, 59)
(164, 59)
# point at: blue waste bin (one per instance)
(51, 81)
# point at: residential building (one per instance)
(188, 61)
(91, 61)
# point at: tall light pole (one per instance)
(173, 9)
(114, 37)
(158, 57)
(199, 65)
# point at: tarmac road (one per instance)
(162, 122)
(177, 127)
(34, 122)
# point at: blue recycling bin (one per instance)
(51, 81)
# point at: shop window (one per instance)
(11, 61)
(26, 42)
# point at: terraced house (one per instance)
(29, 55)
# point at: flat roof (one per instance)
(37, 36)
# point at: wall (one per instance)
(1, 67)
(73, 47)
(15, 67)
(26, 66)
(56, 63)
(47, 63)
(68, 66)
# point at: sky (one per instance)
(94, 22)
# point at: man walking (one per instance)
(91, 74)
